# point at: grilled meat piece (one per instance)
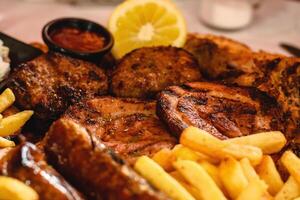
(97, 171)
(26, 163)
(52, 82)
(219, 57)
(129, 126)
(145, 71)
(223, 111)
(282, 81)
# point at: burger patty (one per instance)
(128, 126)
(51, 82)
(221, 110)
(145, 71)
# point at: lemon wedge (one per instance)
(141, 23)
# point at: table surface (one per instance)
(274, 22)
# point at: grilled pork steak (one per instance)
(145, 71)
(85, 161)
(223, 111)
(52, 82)
(129, 126)
(26, 163)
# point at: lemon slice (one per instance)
(141, 23)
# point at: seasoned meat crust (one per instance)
(26, 163)
(223, 111)
(52, 82)
(219, 57)
(129, 126)
(89, 165)
(145, 71)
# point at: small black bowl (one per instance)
(81, 24)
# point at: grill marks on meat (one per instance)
(26, 163)
(129, 126)
(145, 71)
(222, 111)
(52, 82)
(87, 163)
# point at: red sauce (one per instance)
(78, 40)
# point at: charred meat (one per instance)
(129, 126)
(89, 165)
(145, 71)
(52, 82)
(26, 163)
(222, 111)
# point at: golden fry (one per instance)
(7, 98)
(248, 170)
(268, 142)
(292, 164)
(213, 171)
(267, 171)
(289, 190)
(203, 142)
(164, 159)
(239, 151)
(6, 143)
(232, 176)
(196, 176)
(156, 175)
(9, 125)
(256, 190)
(13, 189)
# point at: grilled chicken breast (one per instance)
(128, 126)
(50, 83)
(145, 71)
(89, 165)
(223, 111)
(26, 163)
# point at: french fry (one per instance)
(256, 190)
(6, 143)
(203, 142)
(248, 170)
(195, 175)
(7, 98)
(160, 179)
(13, 123)
(292, 163)
(185, 153)
(1, 116)
(289, 190)
(232, 176)
(13, 189)
(164, 159)
(268, 142)
(238, 151)
(267, 171)
(193, 191)
(213, 171)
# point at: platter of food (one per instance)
(142, 109)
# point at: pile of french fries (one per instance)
(206, 168)
(10, 188)
(11, 124)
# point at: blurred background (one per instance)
(262, 24)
